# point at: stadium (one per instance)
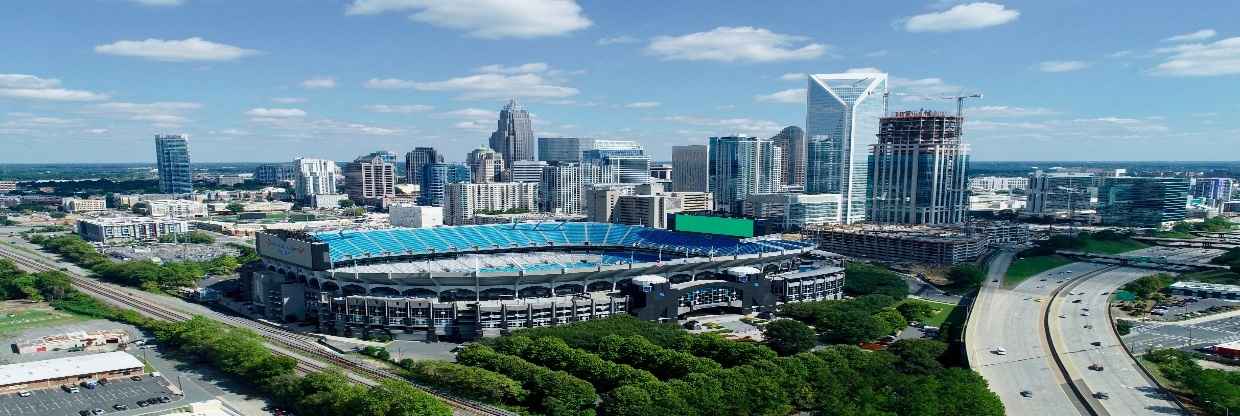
(463, 282)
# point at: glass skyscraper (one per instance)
(841, 122)
(514, 135)
(172, 160)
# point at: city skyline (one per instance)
(410, 74)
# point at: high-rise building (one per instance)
(791, 142)
(739, 167)
(563, 149)
(1053, 194)
(514, 135)
(689, 168)
(274, 173)
(917, 170)
(841, 121)
(620, 161)
(172, 161)
(435, 180)
(369, 179)
(1143, 202)
(416, 160)
(463, 200)
(560, 190)
(525, 171)
(1215, 191)
(314, 177)
(485, 165)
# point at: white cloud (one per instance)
(1201, 59)
(27, 81)
(1062, 66)
(519, 69)
(51, 94)
(400, 109)
(159, 2)
(793, 76)
(276, 112)
(643, 104)
(167, 113)
(791, 96)
(617, 40)
(491, 86)
(288, 100)
(730, 125)
(962, 17)
(1202, 34)
(192, 49)
(488, 19)
(1008, 111)
(735, 44)
(319, 83)
(388, 83)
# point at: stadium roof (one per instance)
(361, 244)
(67, 367)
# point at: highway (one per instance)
(1013, 319)
(309, 355)
(1078, 320)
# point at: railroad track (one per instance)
(298, 343)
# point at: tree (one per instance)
(788, 336)
(235, 207)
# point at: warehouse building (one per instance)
(69, 370)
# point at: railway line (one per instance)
(305, 349)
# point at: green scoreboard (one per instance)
(735, 227)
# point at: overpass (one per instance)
(1146, 262)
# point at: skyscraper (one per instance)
(435, 180)
(563, 149)
(370, 178)
(841, 121)
(791, 142)
(917, 170)
(172, 160)
(314, 177)
(418, 158)
(514, 135)
(485, 165)
(689, 168)
(739, 167)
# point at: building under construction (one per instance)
(917, 170)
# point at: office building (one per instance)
(435, 180)
(689, 168)
(463, 200)
(370, 178)
(173, 208)
(274, 173)
(841, 122)
(314, 177)
(1215, 191)
(485, 165)
(661, 171)
(1143, 202)
(514, 136)
(739, 167)
(415, 216)
(76, 205)
(172, 161)
(917, 170)
(563, 149)
(1007, 184)
(416, 160)
(125, 229)
(1061, 193)
(791, 143)
(792, 211)
(560, 191)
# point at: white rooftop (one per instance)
(66, 367)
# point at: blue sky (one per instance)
(94, 80)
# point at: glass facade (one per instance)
(172, 159)
(841, 122)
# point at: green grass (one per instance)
(1027, 267)
(24, 320)
(1112, 247)
(944, 311)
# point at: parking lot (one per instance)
(57, 402)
